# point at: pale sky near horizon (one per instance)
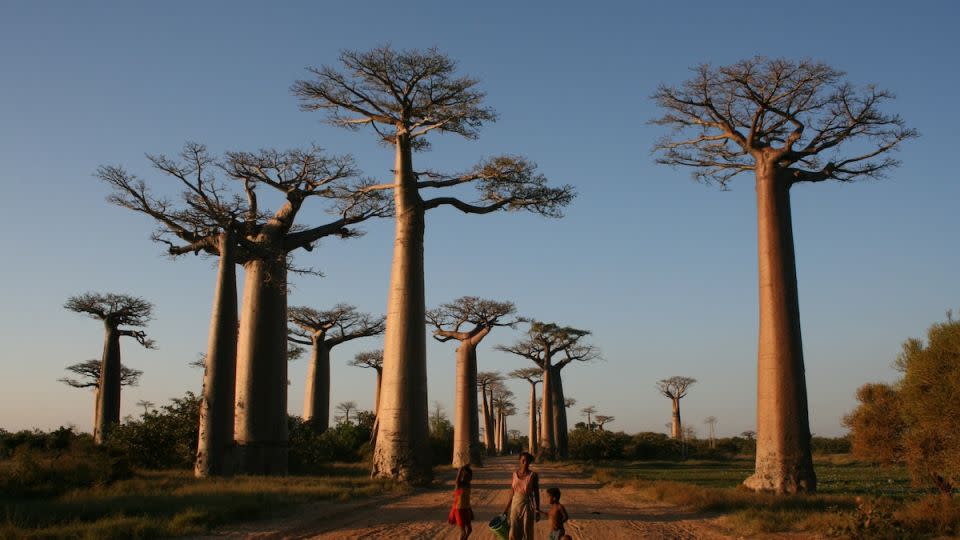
(661, 269)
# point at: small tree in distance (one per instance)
(588, 412)
(371, 360)
(602, 420)
(89, 371)
(345, 408)
(114, 311)
(786, 122)
(675, 388)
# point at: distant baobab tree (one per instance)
(322, 331)
(146, 404)
(345, 408)
(543, 343)
(588, 412)
(486, 381)
(503, 405)
(711, 422)
(372, 360)
(114, 311)
(534, 376)
(602, 420)
(675, 388)
(89, 372)
(786, 121)
(231, 225)
(468, 320)
(403, 96)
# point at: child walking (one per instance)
(461, 514)
(557, 515)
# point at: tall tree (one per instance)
(371, 360)
(324, 330)
(786, 121)
(543, 342)
(675, 388)
(502, 403)
(534, 376)
(468, 320)
(403, 96)
(89, 371)
(212, 218)
(114, 311)
(486, 380)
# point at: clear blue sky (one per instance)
(661, 269)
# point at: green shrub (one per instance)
(161, 439)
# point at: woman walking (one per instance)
(524, 503)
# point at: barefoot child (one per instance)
(557, 515)
(461, 514)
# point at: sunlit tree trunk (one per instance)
(402, 450)
(561, 438)
(676, 428)
(783, 463)
(466, 427)
(548, 448)
(316, 401)
(261, 400)
(219, 377)
(532, 442)
(108, 393)
(486, 412)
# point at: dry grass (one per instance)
(855, 500)
(155, 504)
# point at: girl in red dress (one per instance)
(461, 514)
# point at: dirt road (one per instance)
(596, 513)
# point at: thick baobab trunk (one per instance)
(487, 412)
(108, 392)
(676, 429)
(376, 394)
(532, 438)
(548, 448)
(784, 463)
(316, 401)
(466, 426)
(220, 373)
(261, 407)
(402, 450)
(498, 433)
(560, 431)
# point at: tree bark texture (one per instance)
(560, 431)
(548, 449)
(220, 374)
(466, 426)
(108, 393)
(316, 401)
(487, 411)
(261, 400)
(376, 394)
(402, 450)
(532, 438)
(676, 430)
(784, 463)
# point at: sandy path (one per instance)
(596, 513)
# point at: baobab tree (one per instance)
(543, 342)
(213, 216)
(89, 371)
(146, 404)
(675, 388)
(486, 380)
(404, 96)
(345, 408)
(534, 376)
(602, 420)
(114, 311)
(371, 360)
(787, 122)
(711, 422)
(503, 406)
(322, 331)
(468, 320)
(588, 412)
